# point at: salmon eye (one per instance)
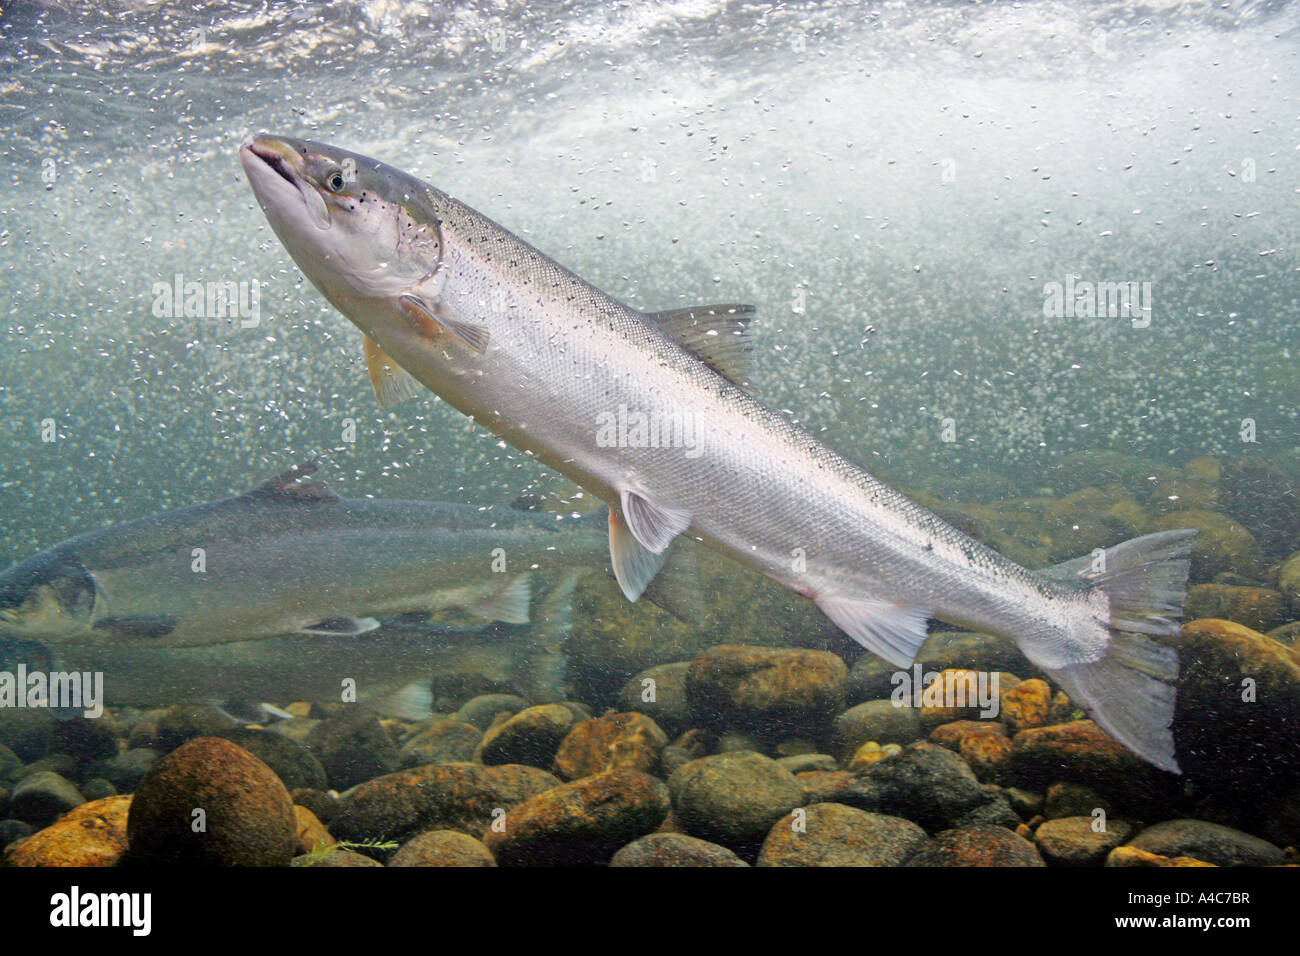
(334, 181)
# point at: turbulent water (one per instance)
(1036, 264)
(893, 185)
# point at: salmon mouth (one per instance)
(274, 160)
(268, 160)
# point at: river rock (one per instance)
(65, 765)
(482, 711)
(86, 738)
(1132, 856)
(1221, 544)
(96, 788)
(734, 798)
(983, 744)
(322, 803)
(443, 848)
(187, 721)
(876, 720)
(293, 763)
(452, 796)
(353, 747)
(127, 769)
(1082, 752)
(770, 691)
(978, 846)
(831, 834)
(1027, 704)
(247, 815)
(1257, 608)
(1263, 499)
(629, 741)
(312, 834)
(872, 678)
(93, 834)
(443, 741)
(926, 783)
(799, 763)
(530, 737)
(10, 763)
(1212, 842)
(1238, 751)
(1072, 841)
(583, 822)
(13, 832)
(334, 858)
(1288, 634)
(42, 797)
(1072, 800)
(674, 849)
(663, 699)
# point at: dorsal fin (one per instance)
(287, 485)
(718, 334)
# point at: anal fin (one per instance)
(892, 631)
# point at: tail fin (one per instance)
(1129, 691)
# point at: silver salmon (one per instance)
(653, 413)
(290, 557)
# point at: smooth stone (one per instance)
(444, 741)
(876, 720)
(294, 764)
(452, 796)
(530, 737)
(93, 834)
(831, 834)
(481, 711)
(443, 848)
(580, 823)
(1211, 842)
(628, 741)
(127, 769)
(663, 699)
(247, 814)
(733, 798)
(1072, 841)
(42, 797)
(353, 747)
(978, 846)
(674, 849)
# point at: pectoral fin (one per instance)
(392, 383)
(431, 320)
(892, 631)
(634, 565)
(654, 525)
